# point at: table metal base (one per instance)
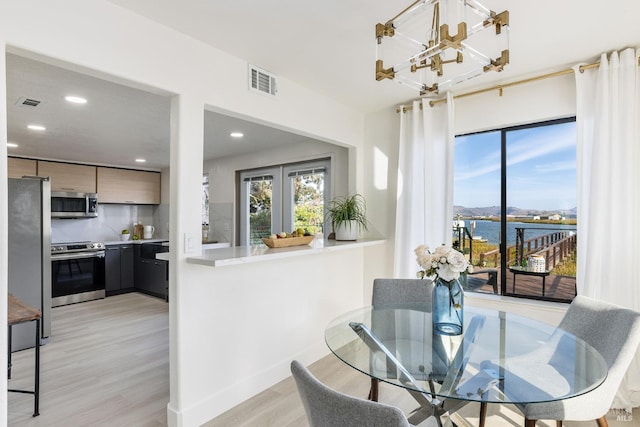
(430, 404)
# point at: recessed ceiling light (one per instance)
(36, 127)
(76, 99)
(141, 160)
(236, 134)
(12, 144)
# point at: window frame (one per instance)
(287, 193)
(276, 194)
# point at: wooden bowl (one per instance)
(287, 241)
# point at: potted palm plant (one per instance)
(348, 216)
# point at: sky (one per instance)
(541, 168)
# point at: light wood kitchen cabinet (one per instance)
(128, 186)
(69, 176)
(17, 167)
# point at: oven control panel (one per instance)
(77, 247)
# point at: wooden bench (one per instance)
(19, 312)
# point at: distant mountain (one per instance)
(494, 211)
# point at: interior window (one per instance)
(260, 199)
(283, 198)
(306, 196)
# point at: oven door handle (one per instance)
(77, 255)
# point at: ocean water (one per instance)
(490, 230)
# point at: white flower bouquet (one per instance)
(444, 262)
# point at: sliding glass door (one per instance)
(515, 207)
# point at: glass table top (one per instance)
(500, 357)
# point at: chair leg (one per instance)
(483, 413)
(373, 391)
(529, 423)
(602, 422)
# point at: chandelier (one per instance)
(427, 57)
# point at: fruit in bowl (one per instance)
(285, 239)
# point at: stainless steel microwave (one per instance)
(73, 205)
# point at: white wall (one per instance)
(528, 103)
(260, 316)
(98, 37)
(380, 188)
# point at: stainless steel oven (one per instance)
(77, 272)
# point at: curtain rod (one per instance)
(500, 87)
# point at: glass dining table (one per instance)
(499, 358)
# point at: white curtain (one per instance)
(608, 157)
(424, 210)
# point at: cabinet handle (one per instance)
(129, 201)
(67, 188)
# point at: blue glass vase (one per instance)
(447, 307)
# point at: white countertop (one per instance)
(216, 245)
(236, 255)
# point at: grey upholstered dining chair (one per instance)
(326, 407)
(408, 293)
(412, 294)
(612, 330)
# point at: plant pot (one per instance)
(347, 230)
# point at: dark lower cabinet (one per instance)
(119, 267)
(129, 269)
(151, 275)
(127, 278)
(112, 269)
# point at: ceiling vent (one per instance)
(262, 81)
(27, 102)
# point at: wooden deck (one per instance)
(556, 287)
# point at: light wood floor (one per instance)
(108, 365)
(280, 405)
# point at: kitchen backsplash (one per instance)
(107, 227)
(220, 221)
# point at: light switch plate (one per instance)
(189, 243)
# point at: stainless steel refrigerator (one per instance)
(30, 253)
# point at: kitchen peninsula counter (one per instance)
(237, 255)
(285, 294)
